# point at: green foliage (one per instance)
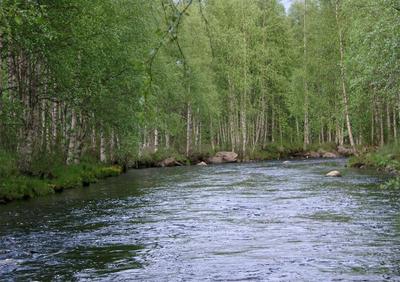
(327, 147)
(393, 184)
(151, 159)
(274, 151)
(16, 187)
(8, 164)
(75, 176)
(118, 80)
(387, 157)
(19, 187)
(109, 171)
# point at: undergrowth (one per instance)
(47, 177)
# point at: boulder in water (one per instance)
(202, 164)
(334, 173)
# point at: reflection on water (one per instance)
(261, 221)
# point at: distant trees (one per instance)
(252, 57)
(113, 80)
(346, 105)
(69, 75)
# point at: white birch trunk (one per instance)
(72, 139)
(103, 155)
(343, 79)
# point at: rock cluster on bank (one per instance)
(169, 162)
(223, 157)
(232, 157)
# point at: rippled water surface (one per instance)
(259, 222)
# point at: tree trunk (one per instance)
(388, 122)
(373, 123)
(199, 139)
(243, 103)
(155, 140)
(167, 141)
(1, 76)
(306, 102)
(343, 78)
(231, 115)
(394, 125)
(72, 138)
(382, 134)
(94, 139)
(103, 156)
(188, 128)
(112, 146)
(273, 126)
(79, 138)
(212, 135)
(330, 133)
(54, 123)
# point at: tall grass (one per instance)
(47, 176)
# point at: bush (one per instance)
(387, 157)
(151, 159)
(43, 165)
(48, 178)
(8, 165)
(274, 151)
(21, 187)
(391, 184)
(327, 147)
(109, 171)
(83, 174)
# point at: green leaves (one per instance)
(18, 20)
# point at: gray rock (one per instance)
(334, 173)
(223, 157)
(313, 154)
(345, 151)
(329, 155)
(228, 157)
(169, 162)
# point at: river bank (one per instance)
(385, 159)
(52, 178)
(16, 186)
(165, 158)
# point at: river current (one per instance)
(266, 221)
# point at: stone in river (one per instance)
(334, 173)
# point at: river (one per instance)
(262, 221)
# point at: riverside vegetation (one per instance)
(89, 88)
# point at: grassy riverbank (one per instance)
(386, 159)
(47, 178)
(273, 151)
(52, 175)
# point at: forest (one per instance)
(85, 85)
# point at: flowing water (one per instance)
(265, 221)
